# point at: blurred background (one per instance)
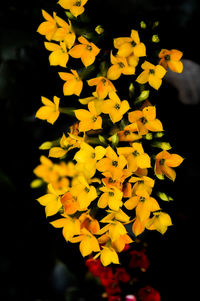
(35, 261)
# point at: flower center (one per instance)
(167, 57)
(114, 163)
(111, 193)
(152, 71)
(86, 189)
(126, 133)
(117, 106)
(93, 155)
(121, 65)
(78, 3)
(142, 199)
(162, 161)
(143, 120)
(89, 47)
(135, 153)
(94, 118)
(133, 44)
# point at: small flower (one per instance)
(86, 51)
(171, 59)
(113, 163)
(111, 197)
(59, 55)
(151, 74)
(103, 86)
(119, 66)
(130, 45)
(108, 256)
(160, 222)
(76, 7)
(135, 156)
(49, 27)
(146, 120)
(144, 205)
(64, 32)
(89, 120)
(115, 107)
(51, 201)
(50, 110)
(73, 84)
(148, 293)
(139, 260)
(164, 163)
(71, 226)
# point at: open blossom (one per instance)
(130, 45)
(76, 7)
(89, 120)
(50, 111)
(103, 86)
(164, 163)
(115, 107)
(151, 74)
(64, 33)
(171, 59)
(49, 27)
(119, 66)
(59, 55)
(86, 51)
(73, 84)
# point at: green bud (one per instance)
(164, 197)
(159, 134)
(115, 139)
(36, 183)
(99, 29)
(102, 140)
(143, 25)
(46, 145)
(155, 38)
(148, 136)
(162, 145)
(131, 90)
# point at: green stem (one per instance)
(68, 111)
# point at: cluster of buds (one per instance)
(100, 177)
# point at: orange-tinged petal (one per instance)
(77, 51)
(174, 160)
(138, 227)
(154, 126)
(176, 66)
(149, 113)
(87, 58)
(132, 202)
(176, 55)
(169, 172)
(135, 115)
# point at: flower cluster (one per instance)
(118, 281)
(108, 167)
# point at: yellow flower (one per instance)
(151, 74)
(111, 197)
(135, 156)
(86, 51)
(64, 33)
(73, 84)
(171, 59)
(164, 163)
(138, 227)
(119, 66)
(83, 192)
(160, 222)
(108, 256)
(130, 45)
(142, 184)
(51, 201)
(71, 226)
(89, 223)
(87, 157)
(50, 110)
(112, 163)
(103, 86)
(146, 120)
(89, 120)
(115, 107)
(120, 243)
(49, 27)
(98, 102)
(59, 55)
(76, 7)
(144, 205)
(129, 133)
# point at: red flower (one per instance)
(122, 275)
(139, 260)
(94, 266)
(148, 293)
(114, 298)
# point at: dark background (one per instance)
(33, 254)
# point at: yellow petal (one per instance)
(57, 152)
(143, 77)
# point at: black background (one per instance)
(30, 247)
